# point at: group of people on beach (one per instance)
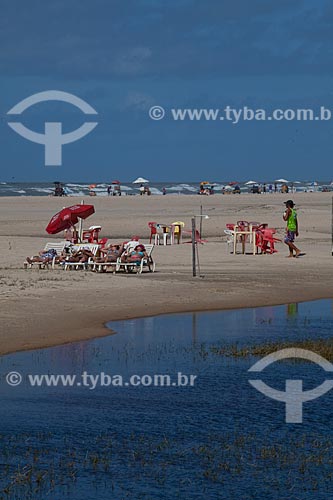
(131, 252)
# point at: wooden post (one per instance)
(200, 221)
(194, 265)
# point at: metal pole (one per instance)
(80, 226)
(332, 226)
(194, 265)
(200, 221)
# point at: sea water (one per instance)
(128, 188)
(216, 438)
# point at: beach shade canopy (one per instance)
(69, 216)
(140, 180)
(248, 183)
(281, 180)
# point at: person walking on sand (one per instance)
(290, 216)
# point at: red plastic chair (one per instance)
(243, 224)
(91, 235)
(197, 237)
(265, 240)
(153, 233)
(102, 242)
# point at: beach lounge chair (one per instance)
(82, 265)
(138, 268)
(58, 246)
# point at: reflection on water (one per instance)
(219, 439)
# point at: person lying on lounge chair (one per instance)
(44, 256)
(81, 256)
(110, 254)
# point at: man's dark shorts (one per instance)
(290, 237)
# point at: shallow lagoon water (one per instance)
(218, 439)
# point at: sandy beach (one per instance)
(41, 308)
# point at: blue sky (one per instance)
(124, 56)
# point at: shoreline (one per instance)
(52, 307)
(92, 325)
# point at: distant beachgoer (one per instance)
(275, 188)
(264, 189)
(164, 191)
(142, 189)
(270, 188)
(109, 190)
(290, 216)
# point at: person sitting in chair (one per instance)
(134, 256)
(110, 254)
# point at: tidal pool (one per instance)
(218, 438)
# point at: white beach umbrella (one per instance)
(281, 180)
(228, 188)
(248, 183)
(140, 180)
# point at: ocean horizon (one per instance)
(128, 188)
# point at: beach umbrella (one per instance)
(281, 180)
(115, 182)
(92, 186)
(140, 180)
(228, 188)
(69, 216)
(248, 183)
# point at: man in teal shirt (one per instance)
(290, 216)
